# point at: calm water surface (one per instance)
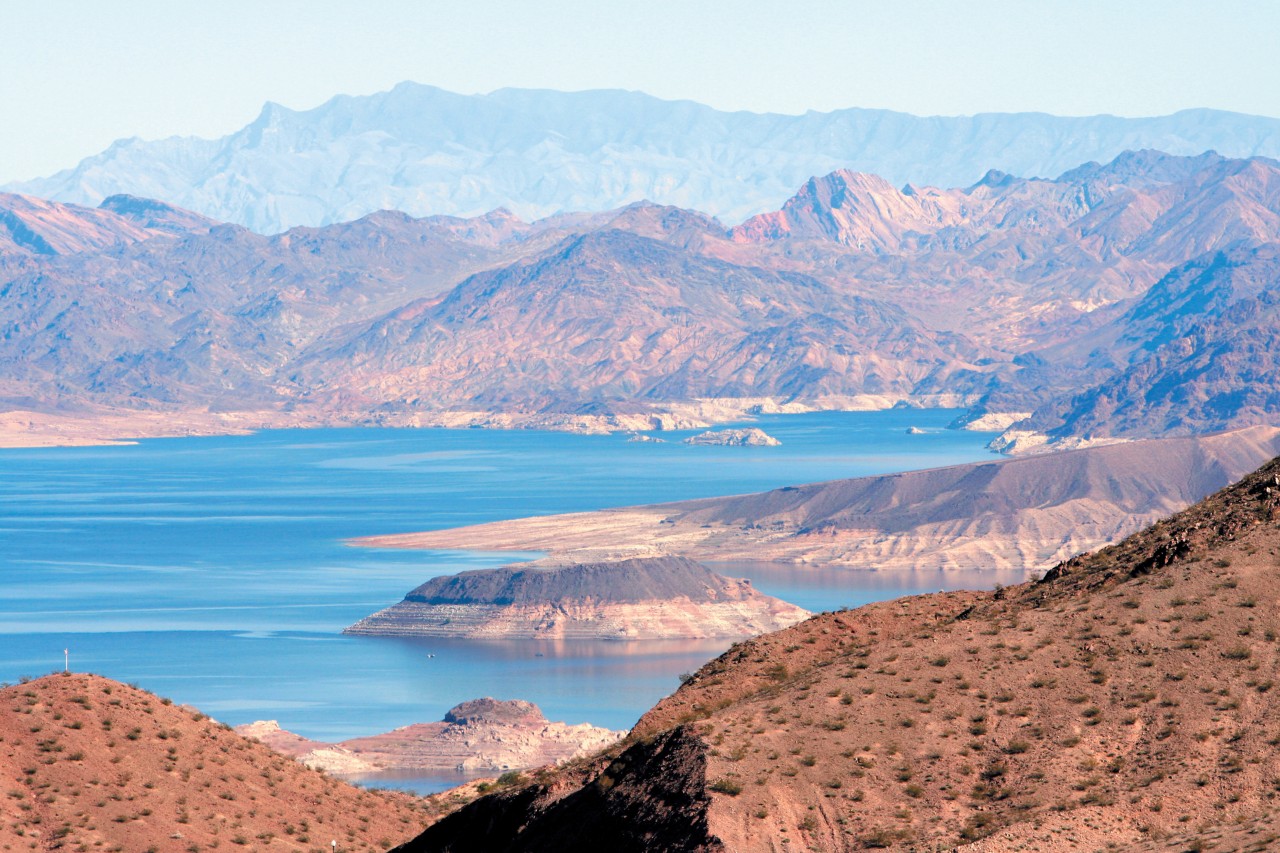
(212, 570)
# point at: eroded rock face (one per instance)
(1024, 513)
(481, 734)
(661, 597)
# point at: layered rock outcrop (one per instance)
(1026, 513)
(643, 598)
(482, 734)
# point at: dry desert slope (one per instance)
(87, 763)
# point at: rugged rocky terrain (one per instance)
(1024, 513)
(1040, 257)
(87, 763)
(1197, 352)
(482, 734)
(621, 316)
(1120, 300)
(1126, 700)
(426, 151)
(639, 598)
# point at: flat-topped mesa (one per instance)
(641, 598)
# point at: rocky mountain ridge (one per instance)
(426, 151)
(1072, 298)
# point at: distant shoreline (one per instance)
(21, 428)
(1024, 513)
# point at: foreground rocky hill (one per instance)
(1124, 701)
(87, 763)
(1025, 513)
(640, 598)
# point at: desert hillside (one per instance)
(1124, 701)
(87, 763)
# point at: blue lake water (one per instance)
(213, 570)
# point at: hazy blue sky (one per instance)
(74, 76)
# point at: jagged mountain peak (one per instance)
(866, 212)
(994, 179)
(1145, 165)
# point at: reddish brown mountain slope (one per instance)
(87, 763)
(1125, 701)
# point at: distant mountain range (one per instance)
(1133, 298)
(426, 151)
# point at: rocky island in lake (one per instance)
(641, 598)
(482, 734)
(750, 437)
